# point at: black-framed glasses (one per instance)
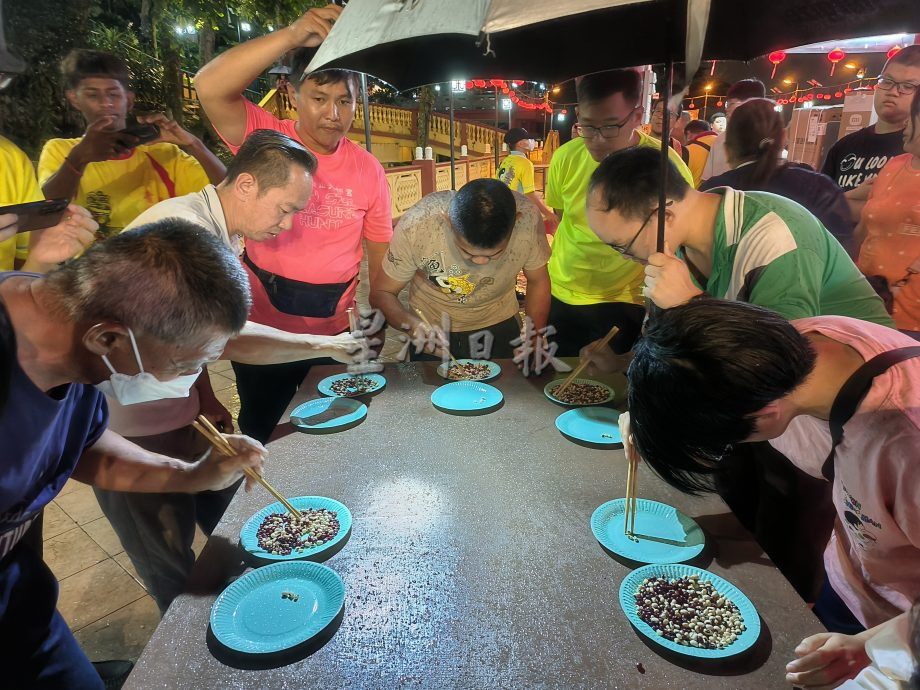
(607, 131)
(905, 88)
(625, 250)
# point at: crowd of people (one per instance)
(782, 313)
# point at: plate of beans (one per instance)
(350, 386)
(579, 393)
(689, 610)
(273, 534)
(469, 370)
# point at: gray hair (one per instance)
(171, 279)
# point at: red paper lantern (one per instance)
(497, 82)
(479, 83)
(793, 99)
(517, 82)
(835, 56)
(894, 51)
(848, 90)
(839, 94)
(564, 111)
(776, 57)
(691, 106)
(719, 103)
(469, 85)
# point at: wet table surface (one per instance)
(471, 562)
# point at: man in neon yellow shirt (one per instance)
(593, 287)
(106, 170)
(516, 170)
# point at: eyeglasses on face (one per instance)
(606, 131)
(905, 88)
(625, 249)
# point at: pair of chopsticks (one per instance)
(632, 473)
(453, 359)
(586, 361)
(222, 445)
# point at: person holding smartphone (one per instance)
(114, 169)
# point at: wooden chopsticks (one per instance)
(425, 321)
(632, 472)
(222, 445)
(352, 323)
(586, 361)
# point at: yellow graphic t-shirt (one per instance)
(17, 186)
(516, 171)
(583, 269)
(117, 191)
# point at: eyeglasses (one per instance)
(607, 131)
(625, 250)
(905, 88)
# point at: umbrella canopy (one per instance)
(412, 42)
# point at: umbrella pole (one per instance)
(496, 129)
(665, 147)
(453, 172)
(367, 113)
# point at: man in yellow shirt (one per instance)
(516, 170)
(594, 287)
(106, 170)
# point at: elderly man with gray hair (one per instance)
(134, 317)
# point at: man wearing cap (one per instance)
(516, 171)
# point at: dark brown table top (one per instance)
(471, 562)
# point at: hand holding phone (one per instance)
(36, 215)
(141, 133)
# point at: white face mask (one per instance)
(143, 387)
(531, 144)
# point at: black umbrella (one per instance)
(414, 42)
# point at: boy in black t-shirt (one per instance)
(859, 156)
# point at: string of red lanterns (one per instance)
(504, 86)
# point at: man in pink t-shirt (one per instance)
(711, 373)
(305, 280)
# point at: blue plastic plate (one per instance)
(665, 535)
(597, 425)
(325, 386)
(558, 382)
(328, 415)
(494, 369)
(630, 586)
(467, 397)
(250, 542)
(250, 616)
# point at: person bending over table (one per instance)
(460, 252)
(268, 182)
(144, 296)
(711, 373)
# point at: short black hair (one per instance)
(268, 155)
(628, 181)
(171, 278)
(483, 212)
(714, 116)
(600, 85)
(699, 374)
(301, 59)
(86, 64)
(745, 89)
(908, 56)
(697, 126)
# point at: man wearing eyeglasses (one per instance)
(860, 156)
(592, 287)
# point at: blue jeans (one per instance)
(834, 613)
(36, 647)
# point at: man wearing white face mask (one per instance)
(140, 305)
(516, 171)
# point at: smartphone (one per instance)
(145, 133)
(36, 215)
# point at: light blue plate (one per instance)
(665, 535)
(630, 586)
(347, 412)
(251, 617)
(558, 382)
(467, 397)
(250, 542)
(494, 369)
(325, 386)
(596, 425)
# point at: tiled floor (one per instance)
(101, 597)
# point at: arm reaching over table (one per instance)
(116, 464)
(260, 344)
